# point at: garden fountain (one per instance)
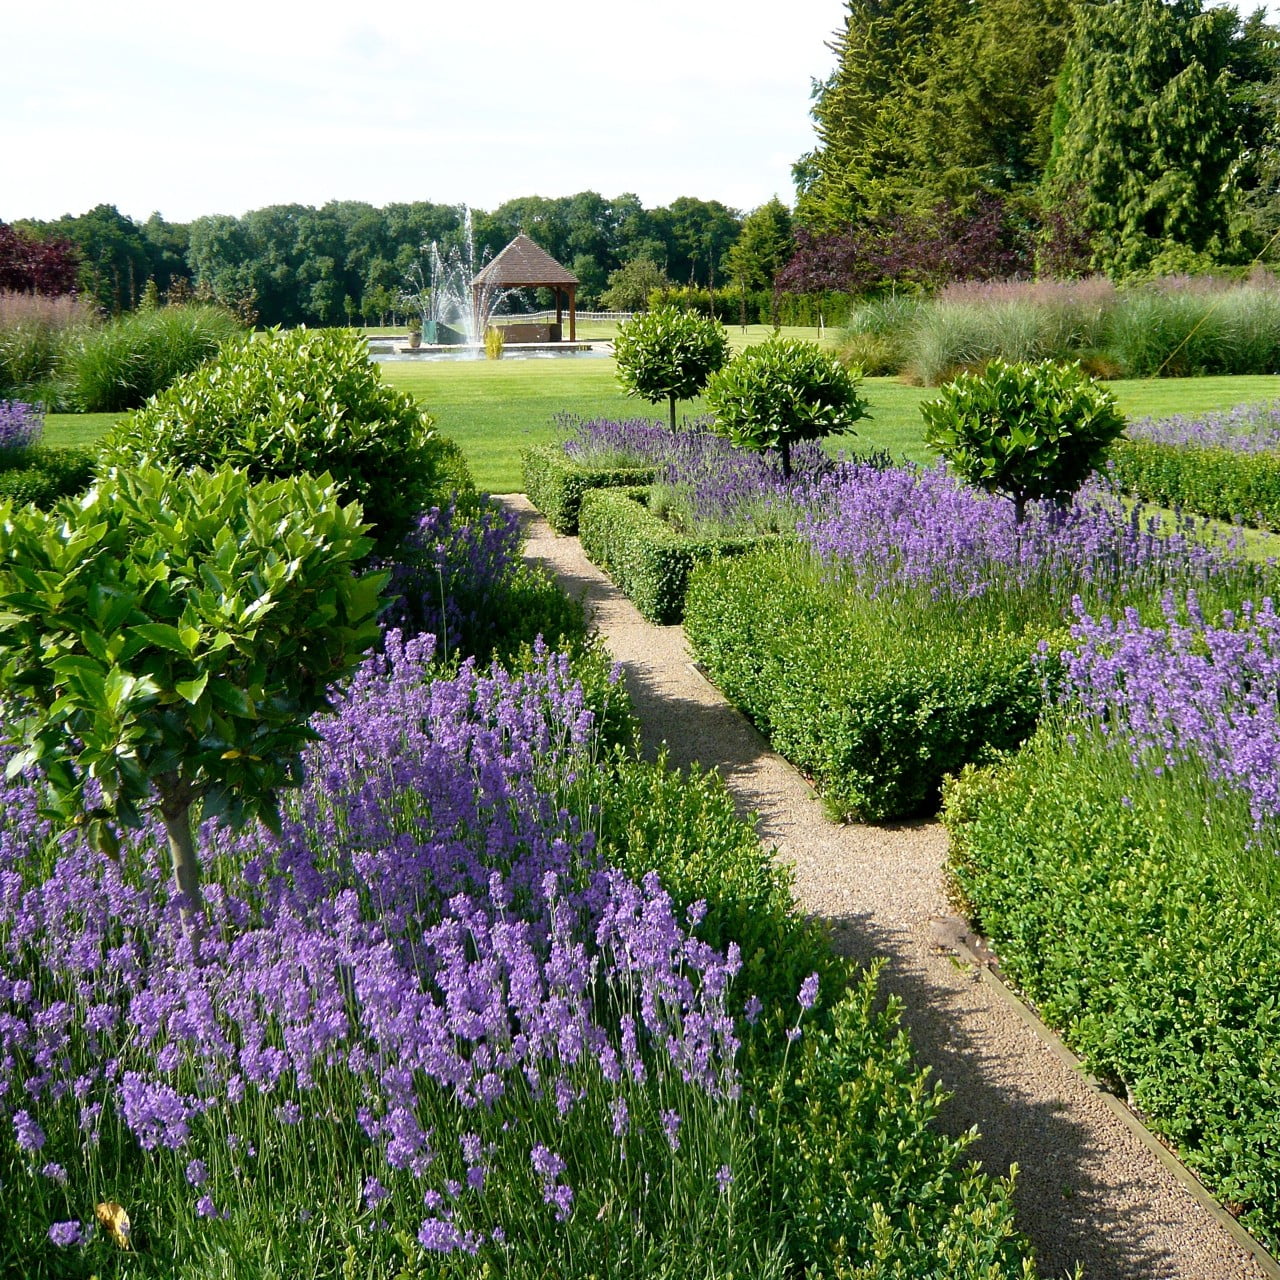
(452, 311)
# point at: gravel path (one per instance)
(1089, 1191)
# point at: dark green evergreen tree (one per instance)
(1146, 144)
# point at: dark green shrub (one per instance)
(555, 484)
(1146, 933)
(303, 401)
(1224, 484)
(129, 359)
(667, 354)
(876, 702)
(780, 392)
(1025, 431)
(42, 475)
(645, 556)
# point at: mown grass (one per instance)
(495, 408)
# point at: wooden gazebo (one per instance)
(523, 265)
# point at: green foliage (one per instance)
(1146, 141)
(862, 1180)
(1024, 431)
(170, 635)
(776, 394)
(1139, 912)
(862, 111)
(876, 703)
(555, 483)
(669, 355)
(1224, 484)
(42, 475)
(631, 285)
(123, 363)
(761, 249)
(1191, 333)
(648, 559)
(304, 401)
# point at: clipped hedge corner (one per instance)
(875, 706)
(648, 559)
(555, 484)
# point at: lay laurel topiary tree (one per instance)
(165, 640)
(1025, 431)
(780, 392)
(667, 354)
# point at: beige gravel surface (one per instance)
(1089, 1191)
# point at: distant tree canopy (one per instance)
(29, 264)
(1108, 133)
(293, 264)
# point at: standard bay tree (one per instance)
(165, 639)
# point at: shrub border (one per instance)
(556, 484)
(1223, 484)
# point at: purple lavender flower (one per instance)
(29, 1135)
(808, 991)
(67, 1234)
(205, 1208)
(197, 1173)
(671, 1127)
(21, 425)
(724, 1178)
(545, 1162)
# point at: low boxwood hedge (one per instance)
(1224, 484)
(555, 483)
(1140, 915)
(644, 555)
(42, 475)
(876, 702)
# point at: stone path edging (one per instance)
(1092, 1186)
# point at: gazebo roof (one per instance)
(522, 264)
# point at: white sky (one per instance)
(222, 107)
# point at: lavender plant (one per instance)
(1248, 428)
(1181, 688)
(21, 426)
(886, 529)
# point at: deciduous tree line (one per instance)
(349, 261)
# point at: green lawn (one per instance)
(494, 408)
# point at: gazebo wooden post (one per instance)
(559, 306)
(573, 313)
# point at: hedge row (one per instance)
(864, 1182)
(42, 475)
(1145, 931)
(648, 559)
(555, 483)
(1225, 484)
(875, 703)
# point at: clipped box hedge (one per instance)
(648, 559)
(1225, 484)
(42, 475)
(1147, 933)
(876, 703)
(555, 483)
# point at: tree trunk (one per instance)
(673, 415)
(784, 448)
(175, 810)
